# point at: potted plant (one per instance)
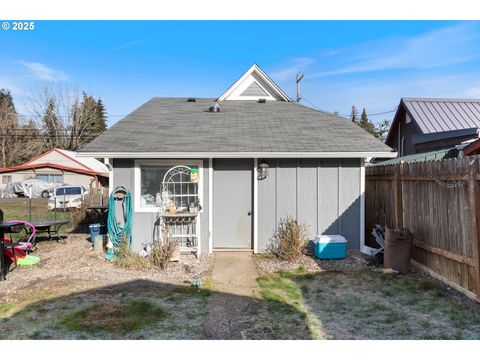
(194, 207)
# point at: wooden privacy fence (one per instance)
(440, 202)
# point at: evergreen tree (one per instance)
(8, 128)
(52, 125)
(101, 117)
(378, 131)
(6, 99)
(366, 124)
(88, 120)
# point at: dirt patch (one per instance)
(75, 266)
(72, 275)
(268, 263)
(234, 303)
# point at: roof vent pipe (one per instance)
(214, 107)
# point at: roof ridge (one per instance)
(183, 98)
(439, 99)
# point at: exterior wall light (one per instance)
(262, 170)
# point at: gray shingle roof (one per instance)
(439, 115)
(176, 125)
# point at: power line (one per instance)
(385, 112)
(347, 116)
(8, 113)
(318, 108)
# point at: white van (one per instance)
(67, 197)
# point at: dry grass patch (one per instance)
(368, 305)
(286, 307)
(6, 309)
(130, 260)
(120, 318)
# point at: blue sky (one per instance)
(365, 63)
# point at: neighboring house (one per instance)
(424, 125)
(425, 156)
(257, 157)
(61, 166)
(472, 148)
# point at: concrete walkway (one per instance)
(233, 301)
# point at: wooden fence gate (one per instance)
(440, 202)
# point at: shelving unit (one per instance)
(179, 191)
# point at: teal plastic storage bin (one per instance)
(97, 229)
(330, 247)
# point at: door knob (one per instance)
(249, 213)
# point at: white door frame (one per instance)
(210, 205)
(254, 205)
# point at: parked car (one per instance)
(31, 188)
(67, 197)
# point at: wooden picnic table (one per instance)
(5, 227)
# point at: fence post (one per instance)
(474, 200)
(398, 200)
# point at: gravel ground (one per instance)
(355, 260)
(75, 266)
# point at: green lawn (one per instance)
(33, 210)
(363, 305)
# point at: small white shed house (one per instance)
(249, 158)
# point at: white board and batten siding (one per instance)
(325, 194)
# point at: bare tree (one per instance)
(68, 120)
(30, 143)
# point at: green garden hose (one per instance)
(117, 232)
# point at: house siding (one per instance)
(407, 131)
(430, 117)
(322, 193)
(143, 222)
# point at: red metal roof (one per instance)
(59, 151)
(472, 148)
(27, 166)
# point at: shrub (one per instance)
(82, 217)
(128, 259)
(289, 240)
(162, 252)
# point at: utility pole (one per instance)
(299, 77)
(353, 116)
